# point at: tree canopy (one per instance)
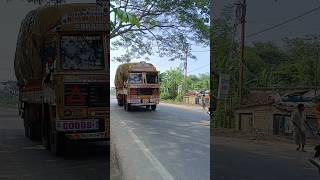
(165, 27)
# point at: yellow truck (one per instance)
(137, 84)
(62, 69)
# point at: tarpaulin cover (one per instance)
(123, 70)
(28, 63)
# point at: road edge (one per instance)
(116, 172)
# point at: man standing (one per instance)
(298, 121)
(203, 101)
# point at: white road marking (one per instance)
(153, 160)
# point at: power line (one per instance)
(284, 22)
(202, 51)
(199, 68)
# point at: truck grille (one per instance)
(91, 95)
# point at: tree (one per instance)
(165, 27)
(170, 82)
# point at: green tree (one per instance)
(170, 82)
(166, 28)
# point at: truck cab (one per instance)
(140, 86)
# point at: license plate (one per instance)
(79, 125)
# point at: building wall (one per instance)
(262, 117)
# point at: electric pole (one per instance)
(317, 61)
(186, 64)
(243, 21)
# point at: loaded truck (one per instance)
(137, 84)
(62, 70)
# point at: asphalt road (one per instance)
(169, 143)
(21, 158)
(234, 159)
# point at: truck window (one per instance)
(152, 78)
(135, 78)
(81, 52)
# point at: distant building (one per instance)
(194, 97)
(268, 111)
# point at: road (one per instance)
(235, 159)
(169, 143)
(21, 158)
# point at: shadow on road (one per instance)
(87, 150)
(140, 109)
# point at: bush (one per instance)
(165, 96)
(179, 98)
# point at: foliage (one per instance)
(144, 27)
(8, 92)
(175, 86)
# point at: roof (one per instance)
(258, 98)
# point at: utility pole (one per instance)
(243, 21)
(316, 73)
(186, 64)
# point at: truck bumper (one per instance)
(143, 104)
(103, 136)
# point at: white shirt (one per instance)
(299, 120)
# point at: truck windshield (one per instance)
(81, 52)
(135, 78)
(152, 78)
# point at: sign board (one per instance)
(224, 85)
(89, 16)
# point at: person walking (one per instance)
(299, 124)
(203, 101)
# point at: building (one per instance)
(269, 111)
(194, 97)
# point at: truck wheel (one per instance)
(57, 142)
(128, 107)
(26, 123)
(29, 127)
(45, 128)
(154, 107)
(147, 106)
(120, 101)
(27, 131)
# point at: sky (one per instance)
(262, 14)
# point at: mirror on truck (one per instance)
(49, 57)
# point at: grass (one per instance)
(171, 101)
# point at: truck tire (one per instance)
(129, 107)
(45, 136)
(154, 107)
(30, 128)
(126, 105)
(120, 101)
(57, 142)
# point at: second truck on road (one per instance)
(137, 84)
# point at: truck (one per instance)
(62, 70)
(137, 84)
